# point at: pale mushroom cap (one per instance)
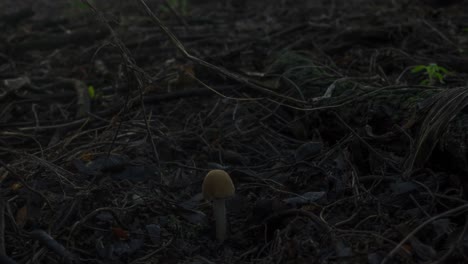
(217, 185)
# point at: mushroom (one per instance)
(217, 186)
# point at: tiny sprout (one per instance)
(433, 72)
(91, 92)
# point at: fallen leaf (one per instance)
(16, 186)
(21, 216)
(120, 233)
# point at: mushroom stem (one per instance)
(219, 210)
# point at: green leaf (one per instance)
(443, 70)
(418, 68)
(432, 66)
(91, 92)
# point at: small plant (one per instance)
(433, 72)
(91, 92)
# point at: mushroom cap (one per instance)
(217, 185)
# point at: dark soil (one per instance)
(343, 125)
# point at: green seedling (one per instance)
(433, 72)
(91, 92)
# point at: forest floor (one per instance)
(343, 125)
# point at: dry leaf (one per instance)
(87, 156)
(16, 186)
(21, 216)
(185, 73)
(120, 233)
